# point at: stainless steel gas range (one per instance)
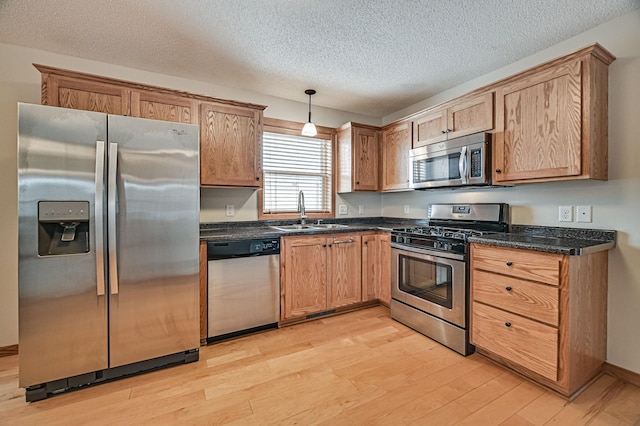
(430, 271)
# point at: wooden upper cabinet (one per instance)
(551, 123)
(396, 143)
(358, 155)
(459, 117)
(430, 128)
(165, 107)
(69, 92)
(230, 146)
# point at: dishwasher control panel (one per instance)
(242, 248)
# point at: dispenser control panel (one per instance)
(63, 211)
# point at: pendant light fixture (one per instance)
(309, 128)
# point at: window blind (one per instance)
(292, 164)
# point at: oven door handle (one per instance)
(462, 165)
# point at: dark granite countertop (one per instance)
(571, 241)
(233, 231)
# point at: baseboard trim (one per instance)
(8, 350)
(622, 374)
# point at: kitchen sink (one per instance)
(330, 226)
(296, 227)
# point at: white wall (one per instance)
(616, 202)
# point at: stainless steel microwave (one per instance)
(463, 161)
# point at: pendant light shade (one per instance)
(309, 128)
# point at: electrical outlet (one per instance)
(231, 210)
(407, 209)
(360, 209)
(342, 209)
(583, 214)
(565, 214)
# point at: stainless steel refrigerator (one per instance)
(108, 246)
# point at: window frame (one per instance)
(286, 127)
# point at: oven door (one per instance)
(430, 282)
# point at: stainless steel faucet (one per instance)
(303, 216)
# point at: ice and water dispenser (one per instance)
(63, 227)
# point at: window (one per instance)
(293, 163)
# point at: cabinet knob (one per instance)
(324, 245)
(498, 170)
(257, 177)
(508, 324)
(509, 263)
(330, 245)
(366, 242)
(449, 130)
(357, 182)
(508, 288)
(444, 132)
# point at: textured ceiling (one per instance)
(371, 57)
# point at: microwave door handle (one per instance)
(462, 165)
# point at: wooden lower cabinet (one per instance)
(376, 267)
(544, 315)
(319, 273)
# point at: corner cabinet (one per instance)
(319, 273)
(230, 146)
(358, 154)
(551, 121)
(456, 118)
(544, 315)
(395, 146)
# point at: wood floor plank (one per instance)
(359, 368)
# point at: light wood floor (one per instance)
(360, 368)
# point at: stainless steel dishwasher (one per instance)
(243, 287)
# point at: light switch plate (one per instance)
(360, 209)
(583, 214)
(231, 210)
(342, 209)
(406, 209)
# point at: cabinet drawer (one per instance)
(530, 299)
(525, 342)
(524, 264)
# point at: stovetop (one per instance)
(451, 224)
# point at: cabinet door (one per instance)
(165, 107)
(345, 275)
(470, 116)
(303, 263)
(86, 95)
(430, 128)
(396, 143)
(376, 267)
(365, 166)
(230, 146)
(538, 126)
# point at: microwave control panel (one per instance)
(476, 162)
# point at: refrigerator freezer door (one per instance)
(62, 318)
(156, 309)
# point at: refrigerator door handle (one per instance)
(111, 217)
(99, 218)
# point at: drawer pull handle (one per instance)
(508, 324)
(508, 288)
(509, 263)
